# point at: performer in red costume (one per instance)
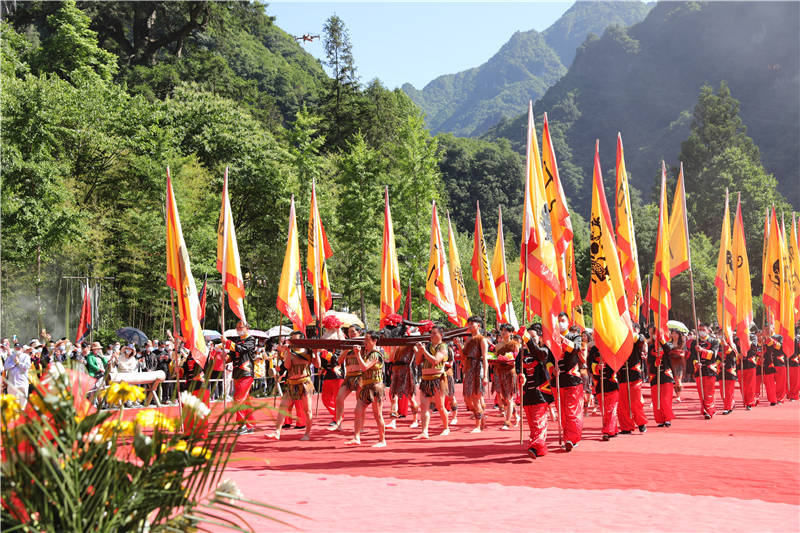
(242, 354)
(705, 358)
(570, 383)
(631, 410)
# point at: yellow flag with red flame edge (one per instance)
(742, 288)
(438, 290)
(613, 331)
(228, 264)
(773, 273)
(180, 279)
(786, 322)
(292, 302)
(391, 292)
(678, 230)
(538, 260)
(724, 279)
(457, 278)
(500, 275)
(626, 236)
(660, 295)
(794, 262)
(481, 269)
(319, 251)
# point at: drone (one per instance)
(306, 38)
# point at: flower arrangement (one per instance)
(66, 467)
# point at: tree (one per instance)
(360, 179)
(718, 155)
(72, 47)
(340, 99)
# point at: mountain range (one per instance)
(470, 102)
(644, 81)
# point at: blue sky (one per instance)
(415, 42)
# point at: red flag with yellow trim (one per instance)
(391, 293)
(613, 332)
(180, 279)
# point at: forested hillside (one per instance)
(468, 103)
(644, 82)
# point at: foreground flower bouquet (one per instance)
(68, 467)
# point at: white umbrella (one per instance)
(347, 319)
(278, 331)
(231, 334)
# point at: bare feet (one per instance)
(381, 444)
(274, 435)
(423, 435)
(306, 437)
(353, 442)
(445, 432)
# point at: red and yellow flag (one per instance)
(438, 290)
(613, 332)
(660, 295)
(765, 247)
(291, 292)
(724, 280)
(500, 275)
(481, 269)
(679, 231)
(571, 297)
(539, 266)
(556, 201)
(742, 288)
(180, 279)
(794, 265)
(626, 236)
(85, 321)
(391, 293)
(319, 251)
(457, 278)
(786, 322)
(228, 263)
(773, 274)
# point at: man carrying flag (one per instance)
(612, 331)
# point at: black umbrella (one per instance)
(133, 335)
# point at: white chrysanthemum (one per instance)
(194, 404)
(228, 488)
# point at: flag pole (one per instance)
(658, 349)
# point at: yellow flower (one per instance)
(180, 446)
(120, 393)
(152, 418)
(10, 407)
(110, 427)
(197, 451)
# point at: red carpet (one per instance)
(696, 475)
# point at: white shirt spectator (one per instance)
(16, 366)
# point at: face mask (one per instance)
(563, 325)
(703, 334)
